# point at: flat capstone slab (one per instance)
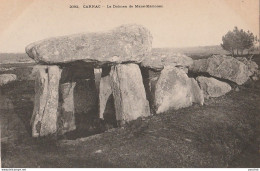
(124, 44)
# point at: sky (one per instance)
(180, 23)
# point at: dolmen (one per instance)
(132, 83)
(65, 80)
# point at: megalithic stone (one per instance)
(127, 43)
(150, 78)
(105, 91)
(67, 113)
(129, 92)
(175, 90)
(44, 118)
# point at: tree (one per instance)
(238, 40)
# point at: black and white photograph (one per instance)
(129, 84)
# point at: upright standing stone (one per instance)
(97, 72)
(67, 118)
(150, 78)
(129, 93)
(105, 91)
(197, 93)
(45, 113)
(175, 90)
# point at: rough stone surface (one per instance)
(212, 87)
(150, 78)
(127, 43)
(186, 70)
(252, 66)
(154, 63)
(66, 119)
(7, 78)
(255, 78)
(128, 92)
(221, 66)
(157, 63)
(105, 91)
(45, 112)
(177, 60)
(196, 92)
(176, 90)
(97, 73)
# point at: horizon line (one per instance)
(163, 47)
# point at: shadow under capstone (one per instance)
(85, 101)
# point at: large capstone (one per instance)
(224, 67)
(45, 112)
(127, 43)
(175, 90)
(212, 87)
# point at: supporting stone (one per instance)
(150, 78)
(175, 90)
(97, 72)
(105, 91)
(66, 117)
(129, 92)
(45, 113)
(197, 93)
